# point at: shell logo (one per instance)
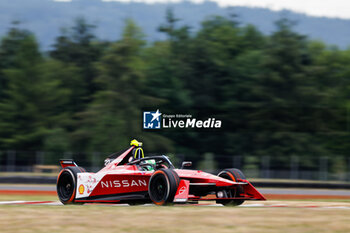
(81, 189)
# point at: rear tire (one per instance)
(162, 186)
(67, 184)
(236, 175)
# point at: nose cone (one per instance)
(197, 176)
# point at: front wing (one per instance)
(115, 188)
(183, 195)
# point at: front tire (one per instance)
(162, 186)
(236, 175)
(67, 184)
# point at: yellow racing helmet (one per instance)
(138, 151)
(136, 143)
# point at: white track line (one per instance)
(11, 202)
(259, 205)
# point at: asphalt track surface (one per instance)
(273, 191)
(277, 197)
(313, 205)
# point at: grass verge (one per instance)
(96, 218)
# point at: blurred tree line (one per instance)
(280, 94)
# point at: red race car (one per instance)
(132, 178)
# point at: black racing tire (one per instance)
(67, 184)
(162, 186)
(234, 175)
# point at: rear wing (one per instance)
(67, 163)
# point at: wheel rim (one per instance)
(65, 186)
(229, 193)
(159, 188)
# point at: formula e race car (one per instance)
(130, 177)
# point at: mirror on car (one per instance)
(186, 164)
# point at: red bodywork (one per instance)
(121, 181)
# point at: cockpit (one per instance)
(135, 156)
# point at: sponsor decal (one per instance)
(81, 189)
(157, 120)
(123, 183)
(182, 190)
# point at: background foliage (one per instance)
(277, 95)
